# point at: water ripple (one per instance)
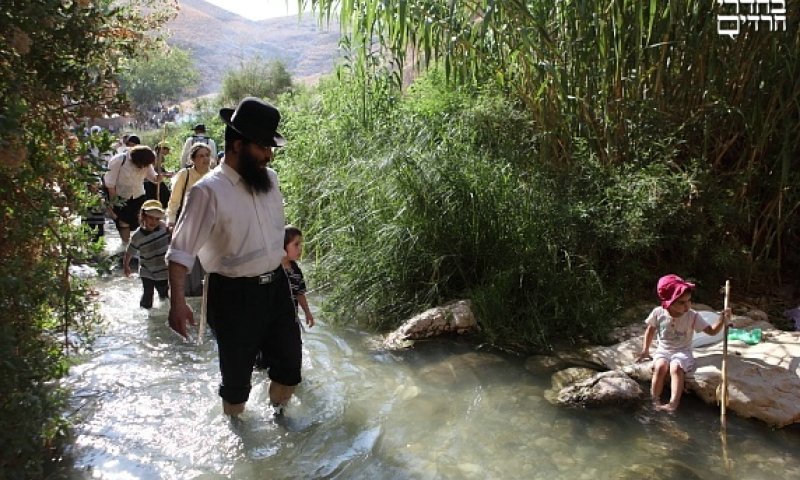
(146, 407)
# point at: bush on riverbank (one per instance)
(58, 62)
(580, 160)
(441, 193)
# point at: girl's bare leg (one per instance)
(660, 369)
(677, 377)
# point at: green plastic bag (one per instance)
(750, 337)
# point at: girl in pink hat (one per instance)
(674, 324)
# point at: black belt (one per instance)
(262, 279)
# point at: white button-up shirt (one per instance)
(234, 232)
(126, 177)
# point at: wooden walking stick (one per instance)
(201, 330)
(723, 397)
(159, 161)
(723, 388)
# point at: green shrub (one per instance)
(58, 66)
(443, 195)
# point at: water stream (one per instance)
(146, 407)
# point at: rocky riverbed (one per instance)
(763, 379)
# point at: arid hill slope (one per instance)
(220, 40)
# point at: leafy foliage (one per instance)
(256, 78)
(614, 78)
(442, 193)
(424, 205)
(165, 74)
(58, 65)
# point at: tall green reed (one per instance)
(591, 73)
(437, 200)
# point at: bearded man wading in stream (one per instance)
(233, 221)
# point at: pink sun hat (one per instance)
(670, 288)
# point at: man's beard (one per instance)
(254, 175)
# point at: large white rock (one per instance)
(586, 387)
(453, 317)
(603, 389)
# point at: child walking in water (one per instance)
(674, 324)
(151, 240)
(293, 245)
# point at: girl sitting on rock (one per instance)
(674, 324)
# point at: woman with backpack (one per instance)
(182, 182)
(124, 181)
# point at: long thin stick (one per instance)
(724, 393)
(723, 388)
(726, 459)
(201, 330)
(159, 161)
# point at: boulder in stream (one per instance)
(452, 317)
(611, 388)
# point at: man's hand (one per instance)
(180, 316)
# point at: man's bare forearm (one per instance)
(177, 283)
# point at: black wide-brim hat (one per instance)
(256, 121)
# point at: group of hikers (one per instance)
(220, 233)
(223, 230)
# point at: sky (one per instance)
(258, 9)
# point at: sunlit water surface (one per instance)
(146, 407)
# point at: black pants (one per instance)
(250, 316)
(148, 284)
(163, 192)
(96, 219)
(128, 212)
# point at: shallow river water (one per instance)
(146, 407)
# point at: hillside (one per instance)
(220, 40)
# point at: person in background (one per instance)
(182, 182)
(121, 145)
(95, 216)
(674, 324)
(198, 137)
(127, 142)
(234, 220)
(185, 178)
(123, 181)
(163, 195)
(150, 241)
